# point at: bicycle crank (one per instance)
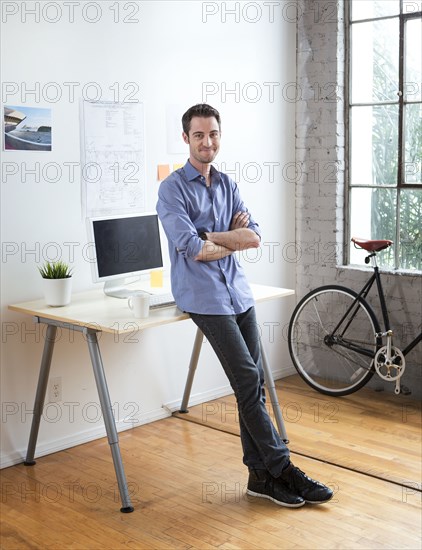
(390, 363)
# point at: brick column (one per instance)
(319, 142)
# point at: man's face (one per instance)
(203, 139)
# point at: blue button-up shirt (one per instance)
(186, 208)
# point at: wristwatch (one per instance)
(203, 236)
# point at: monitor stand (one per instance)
(118, 289)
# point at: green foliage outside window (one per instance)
(389, 201)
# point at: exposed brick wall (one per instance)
(320, 186)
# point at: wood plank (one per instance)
(190, 492)
(371, 432)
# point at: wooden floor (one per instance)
(373, 433)
(188, 482)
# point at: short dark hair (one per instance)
(202, 110)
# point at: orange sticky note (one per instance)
(177, 166)
(163, 171)
(156, 278)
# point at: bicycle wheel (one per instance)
(332, 340)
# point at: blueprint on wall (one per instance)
(113, 158)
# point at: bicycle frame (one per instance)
(388, 331)
(375, 277)
(351, 341)
(344, 343)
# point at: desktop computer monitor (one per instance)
(125, 246)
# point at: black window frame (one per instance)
(401, 172)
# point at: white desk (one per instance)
(92, 312)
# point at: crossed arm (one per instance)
(221, 244)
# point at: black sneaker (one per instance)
(310, 490)
(262, 484)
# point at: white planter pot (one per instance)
(57, 292)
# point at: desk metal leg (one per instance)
(109, 422)
(269, 380)
(41, 391)
(192, 368)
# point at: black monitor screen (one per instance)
(127, 245)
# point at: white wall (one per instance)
(171, 52)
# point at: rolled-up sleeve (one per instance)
(179, 229)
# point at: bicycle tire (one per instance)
(315, 350)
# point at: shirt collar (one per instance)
(192, 173)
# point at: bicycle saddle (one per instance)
(371, 246)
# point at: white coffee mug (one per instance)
(139, 304)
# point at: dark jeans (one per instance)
(235, 339)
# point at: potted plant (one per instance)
(57, 280)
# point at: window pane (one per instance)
(410, 229)
(383, 210)
(384, 222)
(413, 60)
(413, 143)
(373, 216)
(374, 145)
(375, 58)
(368, 9)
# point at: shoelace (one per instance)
(299, 473)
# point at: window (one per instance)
(385, 128)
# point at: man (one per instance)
(206, 222)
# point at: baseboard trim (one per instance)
(43, 449)
(199, 398)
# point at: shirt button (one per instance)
(216, 219)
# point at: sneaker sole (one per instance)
(319, 501)
(279, 502)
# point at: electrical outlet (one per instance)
(55, 389)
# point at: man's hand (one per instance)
(221, 244)
(240, 219)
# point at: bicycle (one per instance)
(335, 340)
